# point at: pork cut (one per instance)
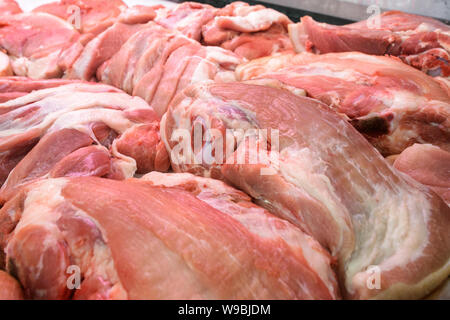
(9, 287)
(95, 16)
(187, 18)
(419, 41)
(441, 293)
(100, 49)
(75, 130)
(8, 7)
(34, 42)
(392, 104)
(321, 175)
(429, 165)
(5, 65)
(134, 239)
(156, 63)
(249, 31)
(14, 87)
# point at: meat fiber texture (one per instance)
(134, 239)
(421, 42)
(249, 31)
(46, 42)
(77, 129)
(321, 175)
(391, 103)
(5, 65)
(156, 64)
(95, 16)
(429, 165)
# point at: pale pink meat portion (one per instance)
(156, 63)
(249, 31)
(134, 239)
(392, 104)
(5, 65)
(429, 165)
(94, 15)
(415, 39)
(9, 287)
(100, 49)
(323, 177)
(8, 7)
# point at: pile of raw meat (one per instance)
(192, 152)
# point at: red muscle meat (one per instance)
(77, 129)
(419, 41)
(133, 239)
(14, 87)
(156, 64)
(100, 49)
(249, 31)
(187, 18)
(392, 104)
(429, 165)
(327, 179)
(8, 7)
(34, 42)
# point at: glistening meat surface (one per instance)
(77, 129)
(392, 104)
(326, 179)
(134, 239)
(419, 41)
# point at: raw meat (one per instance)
(156, 64)
(9, 287)
(14, 87)
(132, 239)
(429, 165)
(249, 31)
(76, 130)
(187, 18)
(392, 104)
(100, 49)
(34, 42)
(5, 66)
(399, 34)
(442, 293)
(95, 15)
(322, 176)
(8, 7)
